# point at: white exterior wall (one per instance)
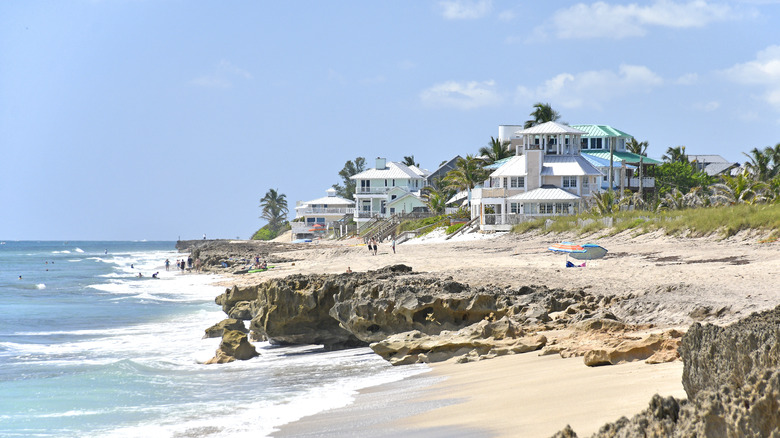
(507, 132)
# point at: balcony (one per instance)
(648, 182)
(382, 190)
(324, 211)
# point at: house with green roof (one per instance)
(597, 142)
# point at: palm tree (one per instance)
(675, 155)
(542, 113)
(672, 201)
(350, 169)
(635, 147)
(274, 207)
(409, 161)
(760, 165)
(468, 172)
(495, 150)
(436, 198)
(604, 202)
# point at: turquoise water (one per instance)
(89, 349)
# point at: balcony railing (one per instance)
(312, 210)
(648, 182)
(381, 190)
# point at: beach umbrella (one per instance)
(592, 252)
(566, 247)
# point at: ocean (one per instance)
(89, 349)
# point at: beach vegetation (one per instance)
(455, 227)
(409, 161)
(351, 168)
(468, 172)
(274, 210)
(720, 220)
(637, 147)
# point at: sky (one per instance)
(168, 119)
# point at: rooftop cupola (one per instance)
(381, 163)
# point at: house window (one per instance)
(514, 207)
(595, 143)
(585, 181)
(570, 181)
(517, 182)
(584, 143)
(392, 210)
(546, 208)
(385, 183)
(392, 197)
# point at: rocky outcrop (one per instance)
(436, 318)
(732, 379)
(481, 340)
(219, 328)
(654, 348)
(226, 256)
(234, 346)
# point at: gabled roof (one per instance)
(441, 172)
(420, 172)
(707, 158)
(513, 166)
(400, 198)
(601, 131)
(393, 169)
(715, 169)
(545, 194)
(567, 165)
(619, 156)
(550, 128)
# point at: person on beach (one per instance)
(393, 245)
(183, 265)
(167, 264)
(197, 264)
(189, 262)
(370, 245)
(155, 275)
(349, 270)
(375, 247)
(140, 275)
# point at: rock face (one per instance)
(219, 328)
(655, 348)
(409, 317)
(732, 378)
(482, 339)
(234, 346)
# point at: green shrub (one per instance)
(453, 228)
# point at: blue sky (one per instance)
(141, 119)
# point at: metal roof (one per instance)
(600, 162)
(513, 166)
(545, 194)
(619, 156)
(392, 169)
(497, 164)
(550, 128)
(707, 158)
(601, 131)
(567, 165)
(329, 200)
(715, 169)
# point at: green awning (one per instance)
(619, 156)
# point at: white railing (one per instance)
(314, 210)
(365, 214)
(381, 190)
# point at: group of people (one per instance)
(260, 265)
(180, 264)
(372, 246)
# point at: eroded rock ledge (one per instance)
(732, 378)
(408, 317)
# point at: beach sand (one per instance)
(670, 283)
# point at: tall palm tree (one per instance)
(675, 155)
(495, 150)
(274, 207)
(542, 113)
(468, 172)
(635, 147)
(409, 161)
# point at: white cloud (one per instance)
(603, 20)
(687, 79)
(222, 76)
(707, 106)
(763, 71)
(465, 9)
(461, 95)
(592, 88)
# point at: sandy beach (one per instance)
(669, 282)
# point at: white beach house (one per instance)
(321, 211)
(548, 176)
(389, 188)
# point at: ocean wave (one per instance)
(40, 286)
(78, 250)
(64, 251)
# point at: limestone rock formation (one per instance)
(655, 348)
(732, 379)
(234, 346)
(219, 328)
(485, 338)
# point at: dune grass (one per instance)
(724, 221)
